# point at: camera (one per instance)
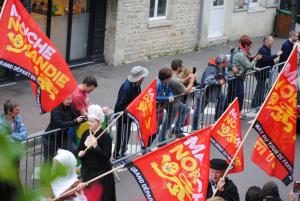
(219, 76)
(84, 118)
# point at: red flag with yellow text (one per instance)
(226, 136)
(143, 111)
(26, 50)
(177, 171)
(274, 150)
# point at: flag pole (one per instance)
(249, 129)
(106, 128)
(2, 9)
(90, 181)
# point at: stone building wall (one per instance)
(131, 36)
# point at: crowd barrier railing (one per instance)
(187, 113)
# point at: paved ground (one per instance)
(110, 78)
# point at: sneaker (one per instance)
(121, 162)
(243, 116)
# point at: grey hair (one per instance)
(292, 33)
(9, 106)
(221, 58)
(267, 38)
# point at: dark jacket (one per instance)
(267, 57)
(266, 60)
(211, 77)
(127, 93)
(286, 48)
(230, 192)
(96, 161)
(62, 117)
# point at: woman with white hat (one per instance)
(96, 160)
(63, 184)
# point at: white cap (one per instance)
(67, 159)
(95, 112)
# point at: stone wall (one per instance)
(130, 36)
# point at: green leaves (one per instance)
(10, 155)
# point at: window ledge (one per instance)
(254, 9)
(160, 23)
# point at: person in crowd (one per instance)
(254, 193)
(12, 125)
(262, 75)
(61, 185)
(178, 89)
(213, 77)
(12, 117)
(287, 47)
(96, 160)
(128, 91)
(224, 188)
(164, 100)
(80, 96)
(216, 198)
(270, 192)
(63, 116)
(240, 62)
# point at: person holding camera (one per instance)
(213, 78)
(63, 116)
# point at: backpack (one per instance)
(230, 62)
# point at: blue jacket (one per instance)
(286, 48)
(163, 91)
(19, 132)
(127, 93)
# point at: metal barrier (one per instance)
(185, 114)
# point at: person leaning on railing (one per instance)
(241, 63)
(63, 116)
(212, 79)
(164, 100)
(261, 75)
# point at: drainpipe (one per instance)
(201, 10)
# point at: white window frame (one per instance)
(155, 12)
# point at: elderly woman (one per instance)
(96, 160)
(241, 63)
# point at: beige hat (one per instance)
(95, 112)
(67, 159)
(137, 72)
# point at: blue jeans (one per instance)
(236, 89)
(169, 117)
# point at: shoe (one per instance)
(121, 162)
(180, 135)
(243, 116)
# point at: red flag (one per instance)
(274, 150)
(26, 50)
(177, 171)
(143, 111)
(226, 136)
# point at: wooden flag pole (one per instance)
(249, 129)
(106, 129)
(90, 181)
(4, 4)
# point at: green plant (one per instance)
(196, 48)
(10, 155)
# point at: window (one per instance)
(158, 9)
(273, 3)
(259, 5)
(240, 5)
